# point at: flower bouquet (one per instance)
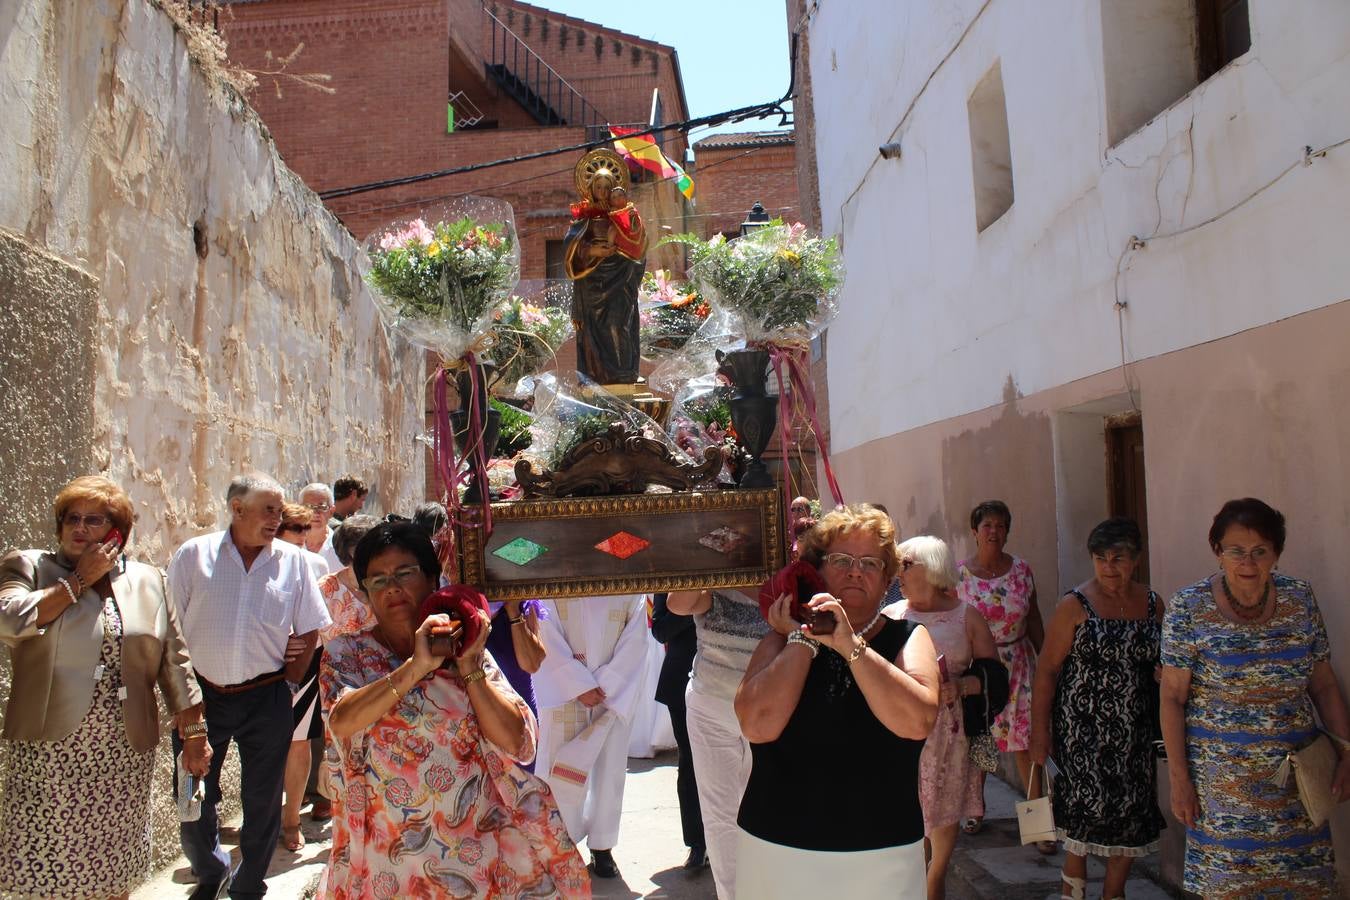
(438, 279)
(526, 335)
(669, 313)
(778, 283)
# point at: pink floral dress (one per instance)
(427, 807)
(349, 612)
(1004, 602)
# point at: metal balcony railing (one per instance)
(533, 83)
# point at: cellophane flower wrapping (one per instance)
(570, 409)
(670, 312)
(439, 276)
(526, 332)
(780, 283)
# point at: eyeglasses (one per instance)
(844, 562)
(1118, 559)
(907, 564)
(319, 508)
(298, 529)
(378, 584)
(1237, 554)
(73, 520)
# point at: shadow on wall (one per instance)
(1011, 459)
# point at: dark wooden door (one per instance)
(1125, 476)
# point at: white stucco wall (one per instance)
(263, 352)
(943, 316)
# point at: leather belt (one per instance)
(241, 687)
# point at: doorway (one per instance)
(1125, 482)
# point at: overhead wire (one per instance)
(756, 111)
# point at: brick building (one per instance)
(424, 85)
(735, 171)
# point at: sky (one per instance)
(733, 53)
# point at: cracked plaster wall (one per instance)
(195, 309)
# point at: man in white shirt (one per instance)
(319, 498)
(588, 689)
(250, 611)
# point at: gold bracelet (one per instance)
(475, 675)
(193, 729)
(858, 650)
(398, 698)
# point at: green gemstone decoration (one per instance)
(520, 551)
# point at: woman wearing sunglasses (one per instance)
(90, 634)
(1245, 662)
(432, 798)
(863, 687)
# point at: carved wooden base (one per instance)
(619, 462)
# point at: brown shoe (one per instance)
(321, 811)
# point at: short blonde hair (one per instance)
(100, 490)
(842, 520)
(297, 514)
(936, 558)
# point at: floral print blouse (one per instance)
(349, 612)
(428, 806)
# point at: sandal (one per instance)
(1077, 886)
(291, 838)
(973, 825)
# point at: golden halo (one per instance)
(597, 161)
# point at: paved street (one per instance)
(650, 853)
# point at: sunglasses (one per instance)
(73, 520)
(907, 564)
(298, 529)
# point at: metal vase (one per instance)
(753, 413)
(459, 424)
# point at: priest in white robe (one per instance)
(592, 681)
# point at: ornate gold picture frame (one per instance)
(628, 544)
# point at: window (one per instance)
(1223, 32)
(990, 149)
(1155, 51)
(553, 261)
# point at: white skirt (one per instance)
(766, 871)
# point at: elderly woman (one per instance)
(298, 522)
(949, 782)
(1245, 660)
(1095, 712)
(432, 793)
(814, 707)
(1003, 589)
(90, 634)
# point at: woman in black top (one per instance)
(812, 704)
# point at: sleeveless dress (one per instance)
(1004, 602)
(802, 837)
(1104, 723)
(950, 788)
(1248, 708)
(75, 821)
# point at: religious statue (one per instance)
(604, 250)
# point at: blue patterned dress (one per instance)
(1248, 708)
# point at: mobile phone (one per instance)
(115, 536)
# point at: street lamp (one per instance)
(755, 219)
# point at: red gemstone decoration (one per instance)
(622, 544)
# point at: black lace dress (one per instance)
(1104, 723)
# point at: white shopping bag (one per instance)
(1035, 819)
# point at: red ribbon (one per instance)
(474, 461)
(804, 393)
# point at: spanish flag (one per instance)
(642, 150)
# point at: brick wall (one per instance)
(729, 180)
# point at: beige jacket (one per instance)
(54, 665)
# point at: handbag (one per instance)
(983, 750)
(1314, 767)
(1035, 818)
(978, 712)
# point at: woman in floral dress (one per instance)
(433, 801)
(1003, 589)
(1245, 662)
